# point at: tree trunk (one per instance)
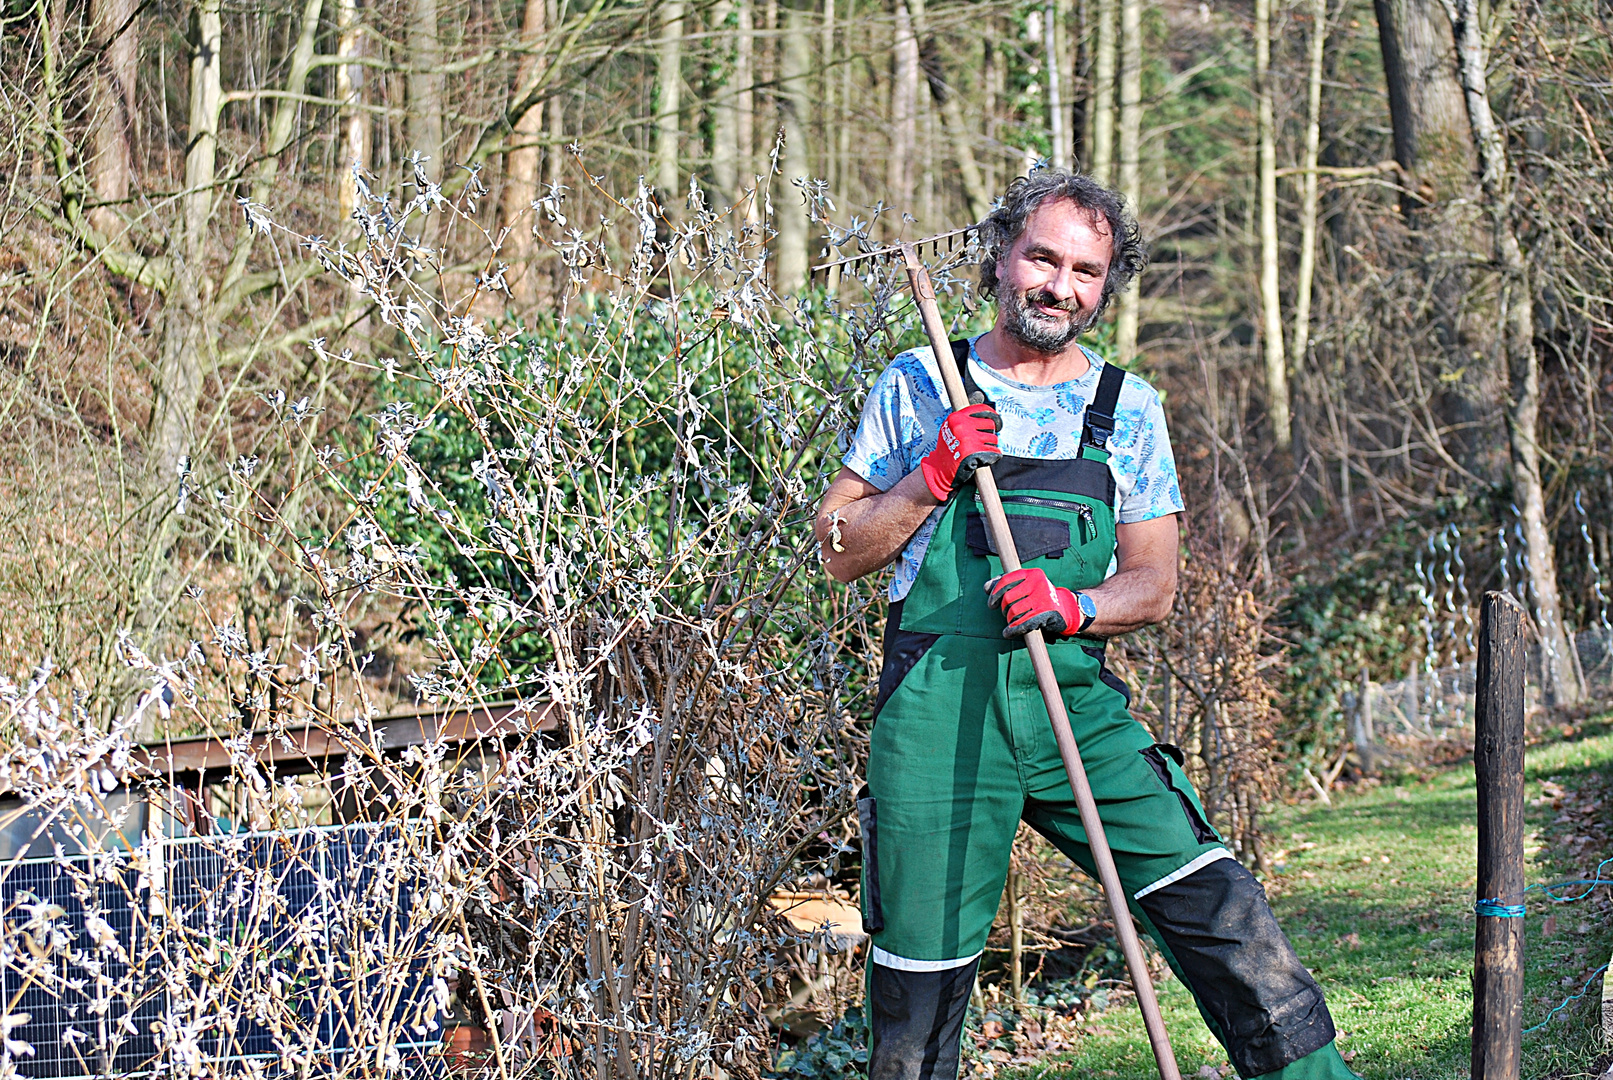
(990, 68)
(424, 126)
(790, 217)
(1055, 99)
(1561, 674)
(827, 114)
(959, 137)
(556, 107)
(843, 168)
(355, 120)
(1307, 200)
(1102, 151)
(903, 113)
(1270, 296)
(1077, 76)
(180, 365)
(668, 87)
(1432, 139)
(745, 117)
(1433, 143)
(725, 105)
(1131, 119)
(521, 169)
(113, 111)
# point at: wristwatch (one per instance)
(1089, 611)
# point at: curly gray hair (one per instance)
(1006, 223)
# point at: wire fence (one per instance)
(1437, 702)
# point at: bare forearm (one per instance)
(1142, 591)
(1131, 600)
(861, 535)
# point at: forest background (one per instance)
(1380, 312)
(1378, 304)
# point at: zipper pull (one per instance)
(1084, 512)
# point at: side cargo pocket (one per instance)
(868, 823)
(1175, 780)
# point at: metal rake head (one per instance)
(940, 243)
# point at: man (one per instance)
(962, 749)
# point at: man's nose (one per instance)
(1062, 283)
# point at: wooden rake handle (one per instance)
(1036, 645)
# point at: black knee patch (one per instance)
(915, 1021)
(1240, 966)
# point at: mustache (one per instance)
(1043, 298)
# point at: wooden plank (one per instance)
(313, 745)
(316, 747)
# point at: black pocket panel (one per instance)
(1034, 537)
(903, 650)
(1155, 756)
(868, 825)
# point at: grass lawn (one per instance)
(1376, 893)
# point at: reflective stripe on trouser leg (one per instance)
(915, 1021)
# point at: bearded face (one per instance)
(1039, 321)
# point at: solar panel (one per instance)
(294, 949)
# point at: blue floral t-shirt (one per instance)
(907, 406)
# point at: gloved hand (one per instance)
(1031, 602)
(968, 441)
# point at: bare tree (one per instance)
(113, 111)
(1103, 92)
(182, 361)
(1523, 364)
(355, 127)
(1131, 122)
(958, 135)
(668, 89)
(724, 96)
(425, 116)
(795, 68)
(745, 113)
(1305, 277)
(1056, 120)
(903, 110)
(521, 179)
(1270, 292)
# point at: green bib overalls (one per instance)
(962, 750)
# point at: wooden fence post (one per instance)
(1498, 765)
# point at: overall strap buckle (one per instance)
(1099, 422)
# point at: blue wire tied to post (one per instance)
(1497, 910)
(1590, 884)
(1585, 990)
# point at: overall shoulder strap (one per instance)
(960, 354)
(1099, 423)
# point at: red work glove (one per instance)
(968, 441)
(1031, 602)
